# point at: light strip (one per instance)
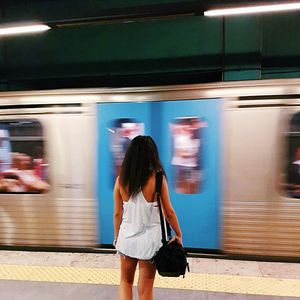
(23, 29)
(252, 9)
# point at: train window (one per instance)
(293, 162)
(186, 158)
(23, 167)
(122, 131)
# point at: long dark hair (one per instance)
(140, 161)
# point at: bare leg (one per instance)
(147, 272)
(128, 267)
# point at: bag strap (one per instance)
(158, 184)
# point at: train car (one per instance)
(231, 152)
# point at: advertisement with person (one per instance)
(23, 168)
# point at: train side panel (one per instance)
(64, 215)
(258, 218)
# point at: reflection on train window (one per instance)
(23, 167)
(187, 155)
(122, 131)
(293, 166)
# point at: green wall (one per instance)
(172, 50)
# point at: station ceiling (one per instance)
(143, 42)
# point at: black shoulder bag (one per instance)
(171, 259)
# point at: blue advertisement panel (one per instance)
(118, 123)
(190, 152)
(187, 134)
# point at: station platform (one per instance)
(63, 276)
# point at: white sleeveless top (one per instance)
(140, 232)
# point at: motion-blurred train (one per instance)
(231, 152)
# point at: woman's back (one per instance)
(148, 190)
(140, 234)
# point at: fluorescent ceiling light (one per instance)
(23, 29)
(252, 9)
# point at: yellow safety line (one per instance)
(192, 281)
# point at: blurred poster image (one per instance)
(122, 131)
(186, 154)
(23, 168)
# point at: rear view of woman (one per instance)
(137, 229)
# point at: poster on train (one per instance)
(23, 165)
(118, 124)
(191, 153)
(187, 134)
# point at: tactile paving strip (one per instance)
(192, 281)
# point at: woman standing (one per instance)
(137, 229)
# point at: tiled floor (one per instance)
(25, 290)
(45, 275)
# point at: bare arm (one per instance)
(118, 209)
(169, 211)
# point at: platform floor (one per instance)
(44, 275)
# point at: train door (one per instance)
(190, 152)
(118, 124)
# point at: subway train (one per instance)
(231, 152)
